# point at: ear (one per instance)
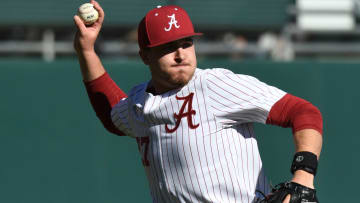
(144, 56)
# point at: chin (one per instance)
(181, 79)
(184, 79)
(178, 83)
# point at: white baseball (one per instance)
(88, 13)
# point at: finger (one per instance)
(76, 39)
(80, 24)
(100, 10)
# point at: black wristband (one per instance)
(306, 161)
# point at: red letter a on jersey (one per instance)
(187, 101)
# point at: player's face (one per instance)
(172, 65)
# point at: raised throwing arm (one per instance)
(102, 90)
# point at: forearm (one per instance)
(308, 140)
(306, 123)
(90, 65)
(311, 141)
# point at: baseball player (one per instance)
(194, 127)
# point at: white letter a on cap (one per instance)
(172, 22)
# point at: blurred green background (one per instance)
(252, 14)
(54, 150)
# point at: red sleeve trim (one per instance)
(297, 113)
(105, 94)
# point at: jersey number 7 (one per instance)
(143, 145)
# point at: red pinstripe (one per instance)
(202, 170)
(217, 147)
(156, 171)
(177, 173)
(252, 154)
(161, 154)
(237, 155)
(232, 160)
(222, 138)
(208, 122)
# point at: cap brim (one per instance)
(174, 39)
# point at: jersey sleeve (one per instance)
(120, 116)
(297, 113)
(127, 114)
(104, 94)
(237, 98)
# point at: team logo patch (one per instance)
(172, 22)
(187, 102)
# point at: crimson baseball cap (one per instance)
(164, 24)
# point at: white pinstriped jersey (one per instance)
(197, 143)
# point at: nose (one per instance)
(179, 55)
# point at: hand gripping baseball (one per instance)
(299, 194)
(87, 34)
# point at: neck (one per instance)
(156, 88)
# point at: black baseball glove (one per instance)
(299, 194)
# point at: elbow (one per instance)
(307, 116)
(106, 121)
(297, 113)
(112, 129)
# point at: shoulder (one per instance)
(221, 72)
(136, 94)
(138, 90)
(221, 79)
(214, 71)
(211, 73)
(224, 75)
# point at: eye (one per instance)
(187, 44)
(171, 47)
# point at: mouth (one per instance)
(180, 65)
